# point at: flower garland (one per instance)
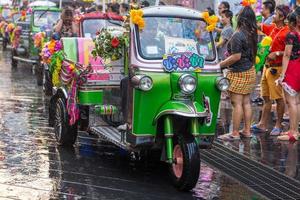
(210, 20)
(48, 50)
(3, 26)
(136, 17)
(39, 39)
(110, 44)
(248, 2)
(23, 15)
(15, 37)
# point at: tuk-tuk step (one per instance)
(111, 134)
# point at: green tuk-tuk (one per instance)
(162, 94)
(41, 19)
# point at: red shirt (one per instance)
(278, 39)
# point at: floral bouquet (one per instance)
(110, 44)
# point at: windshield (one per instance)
(164, 35)
(45, 18)
(16, 16)
(91, 26)
(6, 13)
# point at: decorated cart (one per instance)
(155, 87)
(89, 25)
(25, 45)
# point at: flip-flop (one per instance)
(245, 135)
(288, 137)
(256, 129)
(229, 136)
(276, 131)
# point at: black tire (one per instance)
(14, 63)
(47, 82)
(39, 74)
(191, 164)
(65, 134)
(4, 43)
(84, 118)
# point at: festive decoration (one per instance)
(183, 62)
(136, 17)
(39, 39)
(262, 52)
(23, 15)
(49, 49)
(210, 20)
(248, 2)
(74, 76)
(110, 44)
(15, 37)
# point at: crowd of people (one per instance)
(280, 80)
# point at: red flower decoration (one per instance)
(97, 33)
(115, 42)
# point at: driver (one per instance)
(151, 44)
(66, 25)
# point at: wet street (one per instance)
(32, 166)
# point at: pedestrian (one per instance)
(226, 33)
(290, 76)
(272, 70)
(66, 25)
(242, 48)
(124, 9)
(267, 12)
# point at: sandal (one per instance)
(255, 128)
(276, 131)
(229, 136)
(245, 135)
(288, 136)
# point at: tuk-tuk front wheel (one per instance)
(186, 167)
(65, 134)
(4, 43)
(14, 62)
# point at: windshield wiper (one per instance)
(41, 15)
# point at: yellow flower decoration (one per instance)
(210, 20)
(136, 17)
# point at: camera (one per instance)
(273, 71)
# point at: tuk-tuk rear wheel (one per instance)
(186, 167)
(65, 134)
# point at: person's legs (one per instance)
(266, 109)
(237, 111)
(293, 112)
(247, 114)
(280, 111)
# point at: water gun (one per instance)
(263, 50)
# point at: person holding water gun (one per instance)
(272, 70)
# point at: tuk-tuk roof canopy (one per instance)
(101, 15)
(171, 11)
(45, 8)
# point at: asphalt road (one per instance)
(32, 166)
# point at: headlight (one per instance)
(142, 82)
(222, 83)
(187, 83)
